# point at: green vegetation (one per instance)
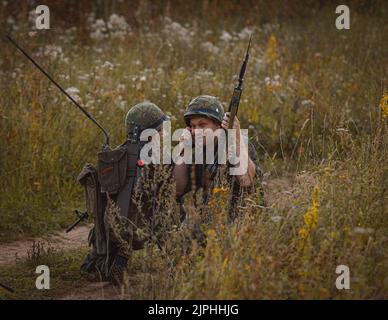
(315, 106)
(64, 274)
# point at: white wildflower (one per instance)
(118, 26)
(363, 230)
(226, 36)
(175, 29)
(108, 65)
(203, 74)
(121, 87)
(210, 47)
(123, 105)
(64, 76)
(307, 103)
(73, 92)
(52, 52)
(84, 77)
(273, 83)
(98, 30)
(276, 218)
(245, 34)
(90, 104)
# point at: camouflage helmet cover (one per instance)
(207, 106)
(146, 115)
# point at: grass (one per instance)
(64, 274)
(311, 102)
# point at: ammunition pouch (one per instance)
(112, 169)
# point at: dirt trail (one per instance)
(10, 252)
(77, 238)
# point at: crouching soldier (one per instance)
(207, 112)
(124, 196)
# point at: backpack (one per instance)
(114, 178)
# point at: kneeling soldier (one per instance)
(124, 197)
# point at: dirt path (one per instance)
(77, 238)
(10, 252)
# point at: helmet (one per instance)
(207, 106)
(146, 115)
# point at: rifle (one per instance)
(106, 145)
(233, 108)
(6, 287)
(82, 216)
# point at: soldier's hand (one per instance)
(225, 122)
(186, 136)
(236, 125)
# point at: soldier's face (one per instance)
(202, 123)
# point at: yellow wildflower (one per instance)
(310, 218)
(220, 190)
(333, 235)
(303, 233)
(327, 171)
(271, 49)
(384, 105)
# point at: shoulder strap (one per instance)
(125, 195)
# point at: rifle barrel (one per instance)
(7, 288)
(244, 65)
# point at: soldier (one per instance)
(115, 235)
(207, 112)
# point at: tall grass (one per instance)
(311, 102)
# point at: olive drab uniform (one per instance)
(117, 200)
(198, 174)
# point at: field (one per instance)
(315, 101)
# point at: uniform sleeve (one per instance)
(257, 183)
